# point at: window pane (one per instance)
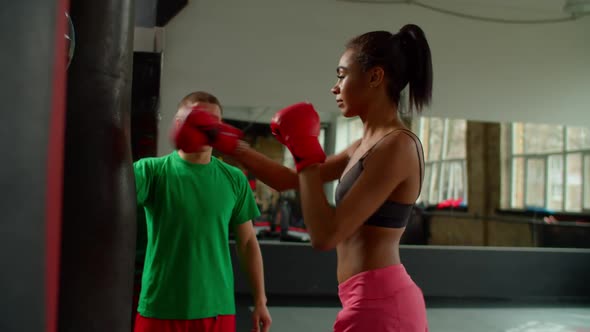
(552, 177)
(587, 182)
(456, 139)
(517, 200)
(555, 186)
(465, 184)
(457, 189)
(540, 138)
(434, 185)
(506, 149)
(518, 138)
(425, 185)
(435, 139)
(535, 183)
(573, 199)
(578, 138)
(452, 181)
(445, 181)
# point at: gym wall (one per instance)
(482, 71)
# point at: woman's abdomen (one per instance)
(370, 248)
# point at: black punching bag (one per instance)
(32, 95)
(98, 231)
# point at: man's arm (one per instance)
(142, 170)
(250, 259)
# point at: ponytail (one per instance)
(419, 61)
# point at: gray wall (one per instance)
(441, 271)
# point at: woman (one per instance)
(380, 178)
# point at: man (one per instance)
(191, 199)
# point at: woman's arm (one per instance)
(282, 178)
(387, 166)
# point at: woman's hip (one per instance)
(385, 299)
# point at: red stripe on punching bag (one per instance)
(55, 154)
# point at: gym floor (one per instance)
(444, 315)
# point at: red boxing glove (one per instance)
(188, 139)
(298, 127)
(220, 136)
(224, 138)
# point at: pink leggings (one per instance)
(384, 300)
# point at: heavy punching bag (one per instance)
(98, 231)
(32, 91)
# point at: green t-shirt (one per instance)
(189, 208)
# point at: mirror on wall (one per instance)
(531, 189)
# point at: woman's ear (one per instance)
(376, 77)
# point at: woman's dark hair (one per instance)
(405, 58)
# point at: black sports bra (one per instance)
(389, 214)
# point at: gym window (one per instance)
(545, 167)
(445, 171)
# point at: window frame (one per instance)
(564, 153)
(441, 161)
